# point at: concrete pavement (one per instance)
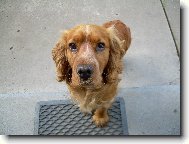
(153, 110)
(29, 30)
(173, 15)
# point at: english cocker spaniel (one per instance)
(89, 59)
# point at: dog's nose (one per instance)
(85, 71)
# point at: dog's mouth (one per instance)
(87, 82)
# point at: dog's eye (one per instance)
(73, 47)
(100, 46)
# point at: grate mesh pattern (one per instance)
(66, 119)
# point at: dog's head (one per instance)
(90, 55)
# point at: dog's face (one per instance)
(87, 51)
(90, 55)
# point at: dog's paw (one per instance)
(100, 121)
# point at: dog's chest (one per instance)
(88, 105)
(86, 100)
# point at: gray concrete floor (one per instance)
(153, 110)
(173, 15)
(29, 30)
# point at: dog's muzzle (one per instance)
(85, 71)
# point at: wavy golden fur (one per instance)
(97, 94)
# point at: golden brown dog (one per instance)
(89, 59)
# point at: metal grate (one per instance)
(65, 118)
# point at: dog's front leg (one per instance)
(100, 117)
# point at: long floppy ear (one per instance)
(122, 32)
(60, 59)
(120, 40)
(114, 65)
